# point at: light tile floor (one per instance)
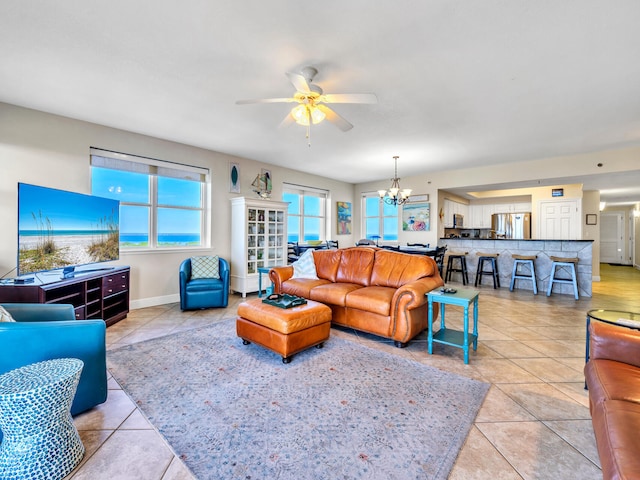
(534, 423)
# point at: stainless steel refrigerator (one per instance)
(511, 225)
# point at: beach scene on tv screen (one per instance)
(58, 229)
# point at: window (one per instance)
(379, 219)
(162, 204)
(306, 218)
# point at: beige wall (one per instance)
(53, 151)
(49, 150)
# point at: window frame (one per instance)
(303, 191)
(155, 169)
(380, 216)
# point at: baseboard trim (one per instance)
(154, 301)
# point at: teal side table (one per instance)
(464, 297)
(269, 289)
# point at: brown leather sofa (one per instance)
(613, 378)
(370, 289)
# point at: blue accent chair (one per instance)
(203, 292)
(47, 331)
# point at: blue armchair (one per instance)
(203, 292)
(47, 331)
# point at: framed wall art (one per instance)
(234, 177)
(416, 217)
(344, 218)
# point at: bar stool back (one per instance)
(556, 267)
(492, 260)
(524, 260)
(461, 257)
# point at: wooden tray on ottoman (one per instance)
(283, 331)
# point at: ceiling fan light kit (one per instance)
(311, 99)
(395, 195)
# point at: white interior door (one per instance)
(611, 233)
(558, 220)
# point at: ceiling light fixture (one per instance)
(303, 112)
(395, 195)
(307, 113)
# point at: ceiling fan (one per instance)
(312, 102)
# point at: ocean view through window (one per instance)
(380, 220)
(162, 204)
(306, 216)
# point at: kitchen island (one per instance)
(543, 249)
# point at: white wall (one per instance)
(53, 151)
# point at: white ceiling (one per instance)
(459, 82)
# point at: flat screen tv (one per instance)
(60, 230)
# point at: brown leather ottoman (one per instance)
(283, 331)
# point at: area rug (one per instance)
(346, 411)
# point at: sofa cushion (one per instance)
(611, 380)
(616, 424)
(356, 265)
(372, 299)
(327, 263)
(393, 269)
(305, 267)
(204, 285)
(301, 287)
(614, 343)
(333, 293)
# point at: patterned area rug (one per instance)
(344, 411)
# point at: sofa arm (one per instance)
(412, 295)
(24, 343)
(611, 342)
(279, 275)
(40, 312)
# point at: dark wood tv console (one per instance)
(101, 294)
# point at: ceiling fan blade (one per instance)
(334, 118)
(349, 98)
(299, 82)
(267, 100)
(286, 121)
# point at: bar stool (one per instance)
(492, 260)
(559, 263)
(519, 261)
(461, 257)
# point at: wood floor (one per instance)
(534, 423)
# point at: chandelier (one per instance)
(395, 195)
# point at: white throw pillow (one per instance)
(305, 267)
(205, 267)
(5, 316)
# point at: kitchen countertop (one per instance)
(543, 249)
(514, 239)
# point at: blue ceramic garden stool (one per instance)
(569, 265)
(40, 440)
(524, 261)
(491, 259)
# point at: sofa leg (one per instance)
(320, 345)
(245, 342)
(400, 344)
(286, 360)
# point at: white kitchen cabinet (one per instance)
(519, 207)
(451, 208)
(258, 240)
